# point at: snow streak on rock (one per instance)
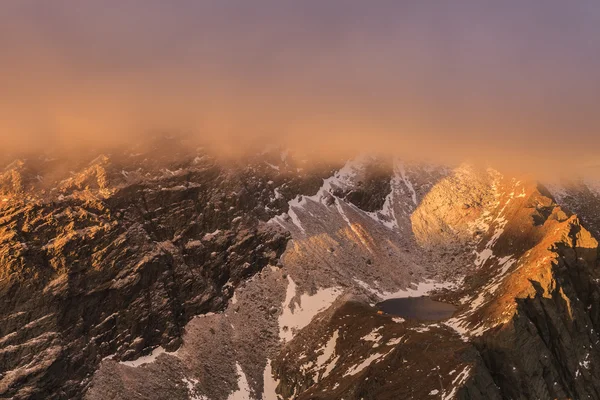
(460, 379)
(373, 358)
(243, 392)
(150, 358)
(270, 384)
(327, 358)
(298, 313)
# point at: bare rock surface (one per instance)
(153, 274)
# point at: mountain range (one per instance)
(166, 272)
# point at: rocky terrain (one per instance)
(164, 272)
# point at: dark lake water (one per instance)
(421, 308)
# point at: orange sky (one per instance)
(515, 83)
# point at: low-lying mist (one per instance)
(424, 81)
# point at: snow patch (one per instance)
(328, 351)
(407, 182)
(460, 379)
(419, 289)
(296, 315)
(150, 358)
(373, 358)
(270, 383)
(395, 341)
(243, 392)
(292, 213)
(191, 387)
(374, 336)
(275, 167)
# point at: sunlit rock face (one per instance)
(448, 215)
(153, 274)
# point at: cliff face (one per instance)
(114, 261)
(157, 274)
(545, 345)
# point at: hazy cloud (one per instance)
(513, 83)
